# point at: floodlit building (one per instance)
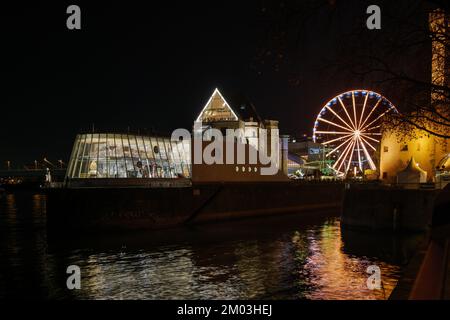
(431, 153)
(428, 151)
(130, 156)
(109, 155)
(309, 150)
(235, 111)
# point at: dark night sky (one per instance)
(149, 66)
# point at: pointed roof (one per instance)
(413, 166)
(217, 109)
(235, 107)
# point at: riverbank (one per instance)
(133, 208)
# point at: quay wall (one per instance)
(161, 207)
(387, 208)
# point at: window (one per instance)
(385, 148)
(404, 148)
(128, 156)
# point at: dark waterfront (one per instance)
(284, 257)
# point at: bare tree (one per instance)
(408, 59)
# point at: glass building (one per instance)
(108, 155)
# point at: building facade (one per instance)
(428, 151)
(236, 112)
(431, 153)
(109, 155)
(131, 156)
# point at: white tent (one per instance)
(412, 173)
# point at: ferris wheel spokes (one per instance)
(333, 132)
(367, 142)
(371, 111)
(371, 164)
(339, 117)
(364, 107)
(345, 109)
(379, 117)
(365, 135)
(371, 128)
(335, 149)
(359, 155)
(337, 139)
(343, 155)
(354, 109)
(334, 124)
(359, 129)
(349, 162)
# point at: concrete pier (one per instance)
(379, 207)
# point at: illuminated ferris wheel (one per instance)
(349, 126)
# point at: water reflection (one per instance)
(271, 258)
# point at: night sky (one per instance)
(154, 66)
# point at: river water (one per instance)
(282, 257)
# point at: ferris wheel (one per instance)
(349, 126)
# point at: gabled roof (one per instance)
(229, 107)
